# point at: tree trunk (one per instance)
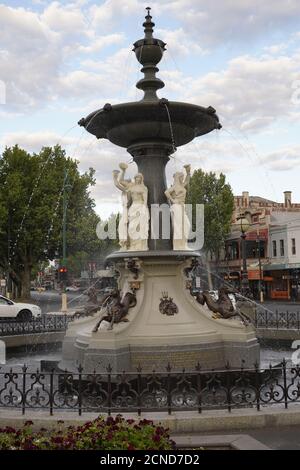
(25, 277)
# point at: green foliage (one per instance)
(31, 187)
(100, 434)
(217, 197)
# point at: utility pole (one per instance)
(261, 292)
(8, 281)
(64, 240)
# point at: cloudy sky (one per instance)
(61, 60)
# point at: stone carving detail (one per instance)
(176, 195)
(115, 308)
(223, 307)
(92, 306)
(167, 306)
(134, 267)
(134, 221)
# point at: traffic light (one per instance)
(62, 273)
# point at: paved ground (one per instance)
(276, 438)
(283, 438)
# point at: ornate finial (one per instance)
(148, 25)
(149, 52)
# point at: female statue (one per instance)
(176, 195)
(134, 222)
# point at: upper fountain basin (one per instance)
(130, 123)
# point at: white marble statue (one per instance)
(176, 195)
(134, 221)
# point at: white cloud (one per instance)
(101, 42)
(251, 93)
(179, 43)
(40, 64)
(67, 19)
(106, 16)
(283, 159)
(218, 22)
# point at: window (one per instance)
(274, 248)
(293, 246)
(281, 247)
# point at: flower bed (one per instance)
(100, 434)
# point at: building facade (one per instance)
(284, 259)
(271, 225)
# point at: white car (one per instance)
(20, 311)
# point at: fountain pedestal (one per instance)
(152, 339)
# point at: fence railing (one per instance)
(277, 320)
(43, 324)
(140, 391)
(48, 323)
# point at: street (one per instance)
(50, 301)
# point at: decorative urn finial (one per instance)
(149, 52)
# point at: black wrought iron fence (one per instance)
(140, 391)
(43, 324)
(47, 323)
(277, 320)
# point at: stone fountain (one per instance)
(157, 321)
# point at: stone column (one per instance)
(151, 159)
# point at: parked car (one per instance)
(18, 310)
(72, 289)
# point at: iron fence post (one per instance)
(109, 370)
(80, 369)
(51, 399)
(24, 369)
(199, 387)
(257, 386)
(285, 383)
(228, 386)
(169, 368)
(139, 389)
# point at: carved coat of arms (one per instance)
(167, 306)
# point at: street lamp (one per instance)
(244, 225)
(261, 292)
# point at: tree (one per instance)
(31, 187)
(216, 195)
